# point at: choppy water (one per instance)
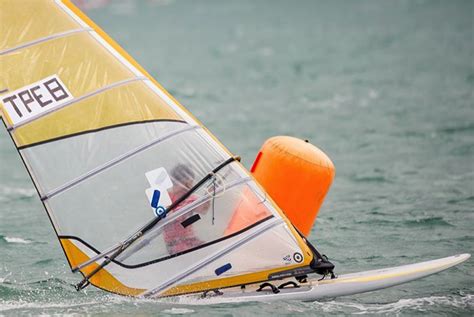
(385, 88)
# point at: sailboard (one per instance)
(315, 288)
(144, 200)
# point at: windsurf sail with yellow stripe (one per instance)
(144, 200)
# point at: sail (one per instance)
(110, 152)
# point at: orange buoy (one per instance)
(248, 212)
(297, 175)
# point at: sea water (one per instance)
(385, 88)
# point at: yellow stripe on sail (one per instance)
(129, 103)
(29, 20)
(103, 279)
(132, 61)
(5, 116)
(237, 280)
(81, 63)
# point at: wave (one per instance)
(460, 200)
(84, 303)
(177, 311)
(422, 222)
(3, 279)
(430, 222)
(403, 305)
(17, 191)
(371, 179)
(15, 240)
(44, 262)
(458, 129)
(20, 305)
(50, 282)
(463, 150)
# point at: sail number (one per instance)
(36, 98)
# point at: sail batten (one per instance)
(44, 39)
(37, 18)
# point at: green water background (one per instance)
(385, 88)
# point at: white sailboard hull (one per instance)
(347, 284)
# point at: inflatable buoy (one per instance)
(297, 176)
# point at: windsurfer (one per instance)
(177, 237)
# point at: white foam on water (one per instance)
(24, 192)
(21, 304)
(161, 2)
(9, 193)
(2, 279)
(17, 240)
(178, 311)
(78, 306)
(418, 304)
(373, 94)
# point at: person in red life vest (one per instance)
(177, 237)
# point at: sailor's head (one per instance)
(182, 176)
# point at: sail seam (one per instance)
(76, 100)
(113, 126)
(114, 162)
(45, 39)
(166, 285)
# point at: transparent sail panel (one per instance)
(201, 220)
(275, 248)
(56, 163)
(108, 207)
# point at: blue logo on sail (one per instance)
(160, 211)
